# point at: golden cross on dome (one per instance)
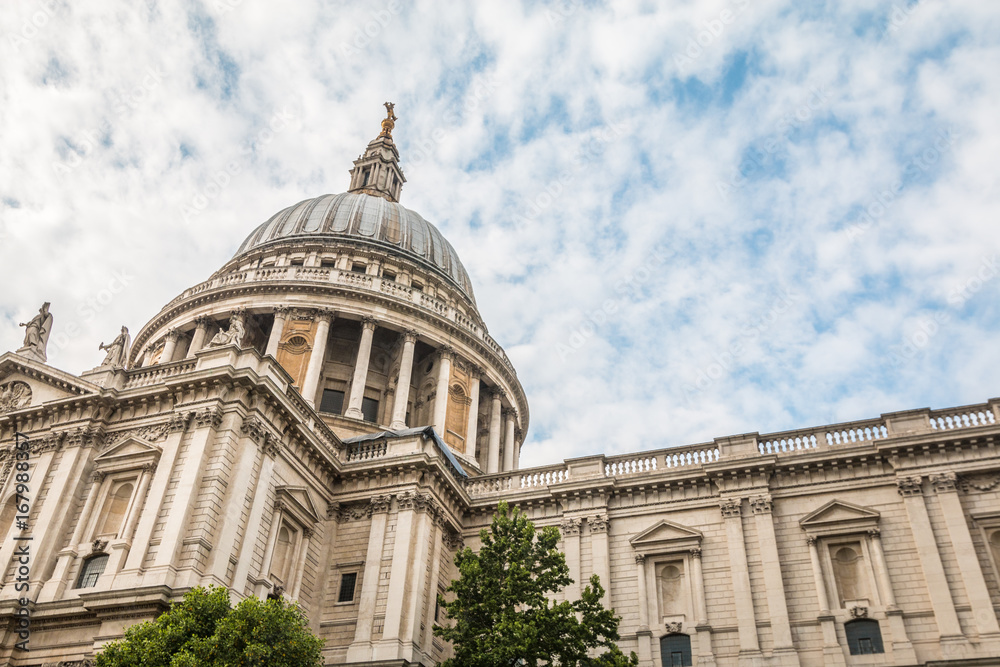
(390, 120)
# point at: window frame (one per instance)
(83, 569)
(354, 587)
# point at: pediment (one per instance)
(666, 536)
(296, 500)
(26, 383)
(129, 453)
(838, 517)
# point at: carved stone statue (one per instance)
(36, 334)
(14, 395)
(234, 336)
(117, 350)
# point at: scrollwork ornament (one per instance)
(675, 626)
(859, 612)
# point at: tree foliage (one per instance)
(203, 630)
(502, 614)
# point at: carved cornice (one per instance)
(945, 482)
(910, 486)
(760, 505)
(570, 526)
(731, 507)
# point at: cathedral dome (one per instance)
(367, 219)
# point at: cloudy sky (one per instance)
(682, 220)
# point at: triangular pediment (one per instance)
(297, 499)
(666, 536)
(839, 516)
(26, 383)
(129, 447)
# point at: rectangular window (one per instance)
(359, 268)
(369, 409)
(332, 402)
(347, 583)
(328, 263)
(389, 275)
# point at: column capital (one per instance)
(910, 486)
(811, 540)
(410, 335)
(98, 476)
(495, 393)
(945, 482)
(875, 533)
(508, 413)
(281, 312)
(446, 352)
(570, 526)
(760, 504)
(640, 559)
(731, 507)
(475, 370)
(324, 315)
(598, 524)
(172, 335)
(379, 504)
(369, 322)
(202, 321)
(695, 552)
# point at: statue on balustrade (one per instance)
(234, 336)
(117, 350)
(36, 334)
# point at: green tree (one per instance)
(203, 630)
(502, 615)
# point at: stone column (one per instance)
(441, 393)
(270, 448)
(317, 357)
(493, 462)
(705, 654)
(781, 631)
(518, 439)
(472, 427)
(198, 337)
(389, 647)
(643, 634)
(278, 328)
(833, 654)
(361, 370)
(300, 563)
(930, 559)
(360, 649)
(135, 511)
(424, 545)
(226, 541)
(902, 649)
(570, 529)
(746, 621)
(426, 642)
(403, 381)
(965, 553)
(600, 556)
(169, 346)
(509, 416)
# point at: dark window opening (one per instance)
(328, 263)
(298, 262)
(417, 286)
(389, 275)
(92, 569)
(367, 175)
(359, 268)
(863, 637)
(369, 409)
(347, 583)
(332, 402)
(675, 650)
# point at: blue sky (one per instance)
(682, 219)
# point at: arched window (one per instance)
(847, 572)
(114, 510)
(863, 637)
(92, 569)
(282, 554)
(675, 650)
(7, 516)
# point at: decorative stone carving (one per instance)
(178, 422)
(232, 336)
(271, 446)
(84, 438)
(147, 433)
(446, 352)
(53, 442)
(369, 323)
(99, 476)
(570, 526)
(811, 541)
(36, 334)
(379, 504)
(674, 626)
(640, 559)
(333, 511)
(99, 546)
(407, 500)
(981, 482)
(14, 396)
(875, 533)
(859, 612)
(254, 429)
(944, 482)
(453, 541)
(731, 507)
(695, 552)
(598, 524)
(117, 350)
(910, 486)
(760, 505)
(208, 417)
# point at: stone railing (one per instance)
(787, 442)
(364, 451)
(517, 480)
(662, 459)
(359, 281)
(145, 377)
(966, 417)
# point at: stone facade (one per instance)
(327, 418)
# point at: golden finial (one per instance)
(390, 120)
